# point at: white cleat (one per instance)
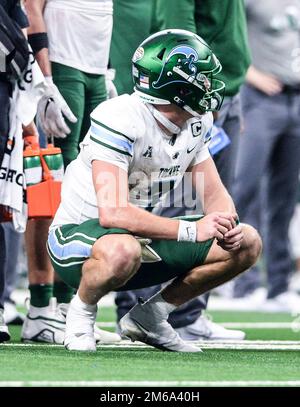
(105, 337)
(140, 325)
(101, 336)
(288, 301)
(4, 332)
(81, 342)
(206, 330)
(11, 315)
(294, 284)
(43, 325)
(79, 335)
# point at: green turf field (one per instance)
(269, 357)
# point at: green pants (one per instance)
(124, 41)
(82, 92)
(69, 246)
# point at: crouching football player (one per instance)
(102, 238)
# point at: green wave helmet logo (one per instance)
(183, 57)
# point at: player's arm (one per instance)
(35, 9)
(216, 200)
(115, 211)
(213, 194)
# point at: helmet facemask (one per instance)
(209, 94)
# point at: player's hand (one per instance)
(215, 225)
(110, 86)
(266, 83)
(232, 239)
(52, 111)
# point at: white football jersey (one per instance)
(124, 132)
(79, 33)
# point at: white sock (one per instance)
(80, 322)
(81, 307)
(159, 306)
(80, 317)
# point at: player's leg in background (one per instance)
(294, 233)
(42, 324)
(95, 93)
(254, 154)
(282, 198)
(71, 84)
(5, 90)
(4, 128)
(4, 332)
(229, 118)
(13, 241)
(2, 265)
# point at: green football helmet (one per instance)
(177, 66)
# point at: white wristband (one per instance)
(187, 231)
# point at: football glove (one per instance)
(110, 87)
(52, 111)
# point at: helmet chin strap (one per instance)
(173, 128)
(192, 112)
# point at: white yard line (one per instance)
(149, 383)
(234, 345)
(237, 325)
(263, 325)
